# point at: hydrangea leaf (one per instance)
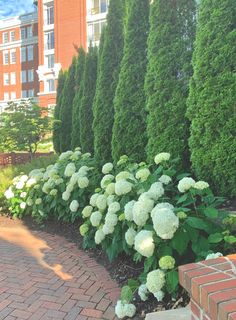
(126, 294)
(215, 238)
(172, 280)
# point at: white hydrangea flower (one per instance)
(160, 157)
(156, 191)
(143, 174)
(143, 292)
(66, 196)
(155, 280)
(110, 189)
(96, 218)
(70, 187)
(23, 194)
(159, 295)
(23, 205)
(31, 182)
(83, 182)
(101, 202)
(123, 310)
(108, 229)
(74, 206)
(106, 180)
(65, 155)
(130, 236)
(24, 178)
(53, 192)
(99, 236)
(74, 178)
(122, 187)
(59, 181)
(130, 310)
(165, 222)
(83, 171)
(144, 244)
(201, 185)
(165, 179)
(38, 201)
(70, 169)
(185, 184)
(111, 219)
(114, 207)
(29, 202)
(167, 263)
(129, 210)
(86, 212)
(93, 199)
(9, 194)
(107, 168)
(214, 255)
(141, 209)
(110, 199)
(162, 205)
(123, 175)
(20, 185)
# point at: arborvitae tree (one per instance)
(170, 46)
(57, 122)
(212, 100)
(129, 130)
(66, 108)
(86, 112)
(109, 66)
(75, 137)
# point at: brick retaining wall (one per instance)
(19, 158)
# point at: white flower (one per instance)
(129, 210)
(70, 169)
(143, 243)
(110, 189)
(29, 202)
(53, 192)
(74, 205)
(23, 205)
(99, 236)
(66, 196)
(96, 218)
(70, 187)
(20, 185)
(165, 222)
(9, 194)
(107, 168)
(83, 182)
(165, 179)
(163, 205)
(87, 211)
(106, 180)
(123, 309)
(31, 182)
(214, 255)
(143, 292)
(155, 280)
(110, 199)
(101, 202)
(201, 185)
(23, 194)
(65, 155)
(83, 171)
(74, 178)
(130, 310)
(111, 219)
(141, 209)
(185, 184)
(122, 187)
(143, 174)
(156, 191)
(93, 199)
(24, 178)
(159, 295)
(114, 207)
(167, 262)
(107, 229)
(160, 157)
(123, 175)
(59, 181)
(38, 201)
(130, 236)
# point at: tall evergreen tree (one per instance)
(212, 100)
(170, 46)
(86, 110)
(109, 65)
(129, 130)
(57, 122)
(75, 137)
(66, 108)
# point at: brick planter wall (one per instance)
(212, 288)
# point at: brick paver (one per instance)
(43, 276)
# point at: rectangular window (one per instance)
(13, 78)
(30, 53)
(29, 32)
(13, 95)
(22, 33)
(5, 37)
(49, 15)
(49, 40)
(31, 93)
(6, 96)
(103, 6)
(6, 79)
(23, 54)
(50, 85)
(5, 57)
(50, 60)
(23, 76)
(24, 94)
(12, 35)
(30, 75)
(13, 56)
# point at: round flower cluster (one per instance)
(107, 168)
(143, 174)
(130, 236)
(74, 206)
(70, 169)
(84, 228)
(155, 280)
(99, 236)
(185, 184)
(144, 244)
(142, 208)
(86, 212)
(165, 179)
(214, 255)
(123, 309)
(160, 157)
(122, 187)
(167, 262)
(143, 292)
(201, 185)
(129, 210)
(96, 218)
(106, 180)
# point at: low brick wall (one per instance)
(212, 288)
(19, 158)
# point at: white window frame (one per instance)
(13, 95)
(6, 79)
(29, 32)
(30, 93)
(23, 54)
(12, 36)
(23, 76)
(31, 75)
(5, 37)
(24, 94)
(5, 57)
(6, 96)
(13, 61)
(48, 19)
(49, 44)
(30, 53)
(47, 58)
(48, 86)
(13, 77)
(23, 33)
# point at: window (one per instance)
(29, 32)
(24, 94)
(6, 96)
(13, 95)
(12, 35)
(50, 61)
(22, 33)
(23, 54)
(5, 38)
(30, 53)
(5, 57)
(49, 40)
(23, 76)
(94, 31)
(50, 85)
(103, 6)
(49, 15)
(31, 93)
(30, 75)
(13, 78)
(6, 79)
(13, 56)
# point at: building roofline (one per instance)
(19, 20)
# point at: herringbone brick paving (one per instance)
(60, 282)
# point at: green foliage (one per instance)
(66, 108)
(22, 126)
(129, 130)
(86, 111)
(75, 134)
(211, 104)
(57, 121)
(170, 44)
(109, 67)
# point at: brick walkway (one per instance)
(60, 282)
